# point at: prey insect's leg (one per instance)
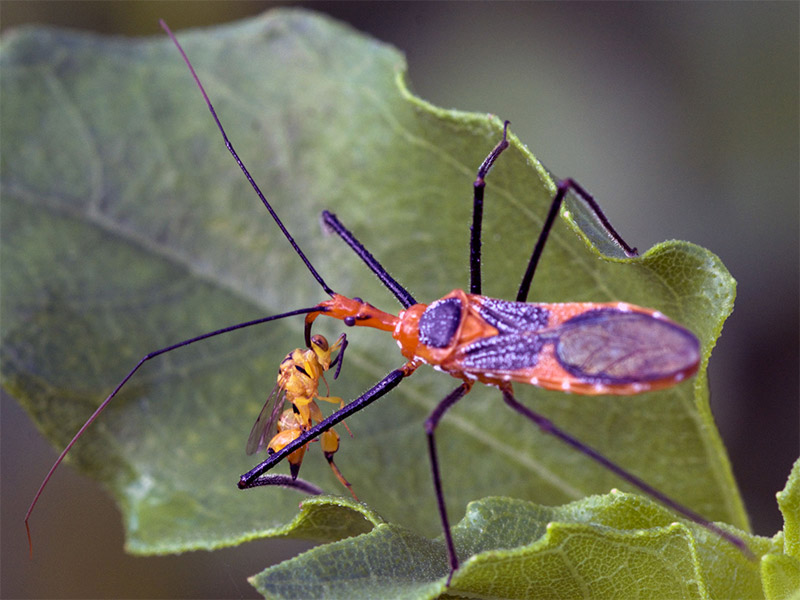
(301, 485)
(330, 445)
(477, 213)
(402, 294)
(381, 388)
(563, 187)
(549, 427)
(430, 427)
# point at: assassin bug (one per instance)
(298, 383)
(585, 348)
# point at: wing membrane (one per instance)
(266, 424)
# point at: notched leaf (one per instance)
(612, 546)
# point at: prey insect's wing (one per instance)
(265, 426)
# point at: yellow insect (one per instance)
(298, 383)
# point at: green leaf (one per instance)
(127, 227)
(789, 503)
(781, 576)
(780, 569)
(612, 546)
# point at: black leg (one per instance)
(477, 214)
(286, 481)
(401, 293)
(549, 427)
(563, 187)
(430, 426)
(381, 388)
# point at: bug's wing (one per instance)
(601, 351)
(617, 347)
(265, 425)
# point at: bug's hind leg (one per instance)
(564, 186)
(430, 426)
(549, 427)
(477, 213)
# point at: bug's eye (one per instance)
(439, 323)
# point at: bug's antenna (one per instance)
(239, 162)
(143, 360)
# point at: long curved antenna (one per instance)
(144, 359)
(239, 162)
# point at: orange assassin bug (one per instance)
(584, 348)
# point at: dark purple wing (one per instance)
(616, 346)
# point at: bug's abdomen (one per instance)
(584, 348)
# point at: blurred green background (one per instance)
(681, 119)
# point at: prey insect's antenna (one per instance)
(563, 187)
(239, 162)
(143, 360)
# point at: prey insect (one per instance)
(584, 348)
(298, 384)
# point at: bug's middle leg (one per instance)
(477, 213)
(430, 426)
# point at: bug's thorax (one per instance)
(433, 332)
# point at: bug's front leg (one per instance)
(286, 481)
(381, 388)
